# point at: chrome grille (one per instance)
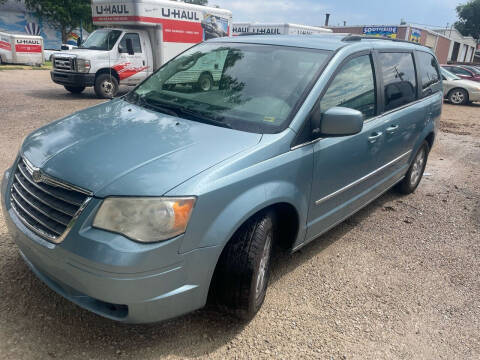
(46, 206)
(67, 64)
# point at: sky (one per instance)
(436, 13)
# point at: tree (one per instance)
(63, 15)
(469, 15)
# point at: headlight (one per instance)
(83, 65)
(145, 219)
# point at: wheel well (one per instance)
(107, 71)
(430, 139)
(286, 226)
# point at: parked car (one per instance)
(141, 208)
(459, 91)
(463, 72)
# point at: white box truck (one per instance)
(138, 36)
(276, 29)
(21, 49)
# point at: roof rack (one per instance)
(355, 37)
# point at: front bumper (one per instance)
(474, 95)
(72, 78)
(113, 276)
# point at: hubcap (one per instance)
(457, 97)
(107, 87)
(417, 168)
(205, 84)
(262, 271)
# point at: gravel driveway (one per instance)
(400, 279)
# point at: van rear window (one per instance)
(399, 81)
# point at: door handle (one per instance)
(374, 137)
(143, 62)
(392, 129)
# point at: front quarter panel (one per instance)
(229, 194)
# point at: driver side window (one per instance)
(353, 87)
(137, 47)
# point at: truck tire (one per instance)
(415, 172)
(240, 281)
(205, 82)
(106, 86)
(75, 89)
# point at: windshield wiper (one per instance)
(156, 105)
(202, 118)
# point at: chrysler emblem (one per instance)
(37, 176)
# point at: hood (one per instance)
(117, 148)
(83, 53)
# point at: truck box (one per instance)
(21, 49)
(276, 29)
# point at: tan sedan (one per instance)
(459, 91)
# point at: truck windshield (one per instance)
(248, 87)
(101, 40)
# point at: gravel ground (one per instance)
(400, 279)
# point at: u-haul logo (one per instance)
(180, 14)
(27, 42)
(112, 9)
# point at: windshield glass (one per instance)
(101, 40)
(248, 87)
(448, 75)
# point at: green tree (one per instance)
(469, 15)
(63, 15)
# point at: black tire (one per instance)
(458, 96)
(106, 86)
(236, 285)
(75, 89)
(415, 172)
(205, 82)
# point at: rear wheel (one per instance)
(242, 273)
(106, 86)
(415, 172)
(75, 89)
(458, 97)
(205, 82)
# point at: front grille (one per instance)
(46, 206)
(66, 64)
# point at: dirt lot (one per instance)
(400, 279)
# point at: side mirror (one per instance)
(129, 44)
(337, 121)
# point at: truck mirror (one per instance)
(129, 44)
(79, 42)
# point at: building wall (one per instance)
(443, 48)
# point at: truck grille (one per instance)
(66, 64)
(46, 206)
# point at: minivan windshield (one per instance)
(248, 87)
(101, 40)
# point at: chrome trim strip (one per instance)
(349, 186)
(31, 227)
(52, 181)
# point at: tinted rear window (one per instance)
(429, 72)
(398, 73)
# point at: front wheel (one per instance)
(75, 89)
(242, 273)
(458, 97)
(106, 86)
(415, 172)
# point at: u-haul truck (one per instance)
(21, 49)
(276, 29)
(138, 36)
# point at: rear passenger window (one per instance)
(353, 87)
(428, 70)
(400, 84)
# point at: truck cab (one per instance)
(107, 58)
(131, 45)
